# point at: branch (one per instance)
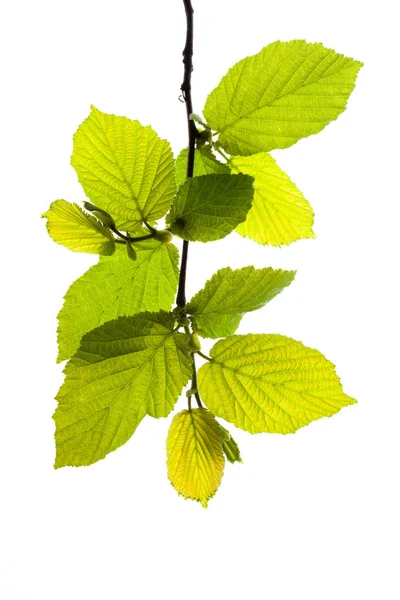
(192, 134)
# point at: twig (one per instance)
(192, 133)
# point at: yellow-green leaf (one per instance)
(270, 383)
(70, 226)
(279, 214)
(230, 293)
(229, 446)
(117, 287)
(124, 168)
(205, 163)
(123, 370)
(209, 207)
(286, 92)
(195, 455)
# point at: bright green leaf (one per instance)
(229, 446)
(195, 455)
(270, 383)
(115, 287)
(280, 214)
(220, 305)
(209, 207)
(231, 450)
(205, 163)
(123, 370)
(70, 226)
(286, 92)
(124, 168)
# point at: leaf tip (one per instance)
(350, 400)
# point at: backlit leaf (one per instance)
(270, 383)
(220, 305)
(124, 168)
(123, 370)
(280, 214)
(205, 163)
(115, 287)
(286, 92)
(195, 455)
(209, 207)
(70, 226)
(229, 446)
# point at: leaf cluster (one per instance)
(130, 352)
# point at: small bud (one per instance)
(194, 342)
(90, 206)
(131, 251)
(184, 321)
(204, 137)
(100, 214)
(105, 219)
(163, 236)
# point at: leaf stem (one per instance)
(128, 238)
(194, 384)
(149, 227)
(228, 160)
(204, 356)
(186, 90)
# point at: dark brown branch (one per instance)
(186, 86)
(192, 134)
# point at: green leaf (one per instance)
(124, 168)
(229, 446)
(205, 163)
(286, 92)
(220, 305)
(231, 450)
(270, 383)
(69, 226)
(123, 370)
(195, 455)
(209, 207)
(116, 287)
(280, 214)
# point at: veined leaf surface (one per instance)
(279, 214)
(205, 163)
(218, 308)
(115, 287)
(270, 383)
(288, 91)
(70, 226)
(229, 446)
(195, 455)
(123, 370)
(209, 207)
(124, 168)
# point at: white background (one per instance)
(314, 515)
